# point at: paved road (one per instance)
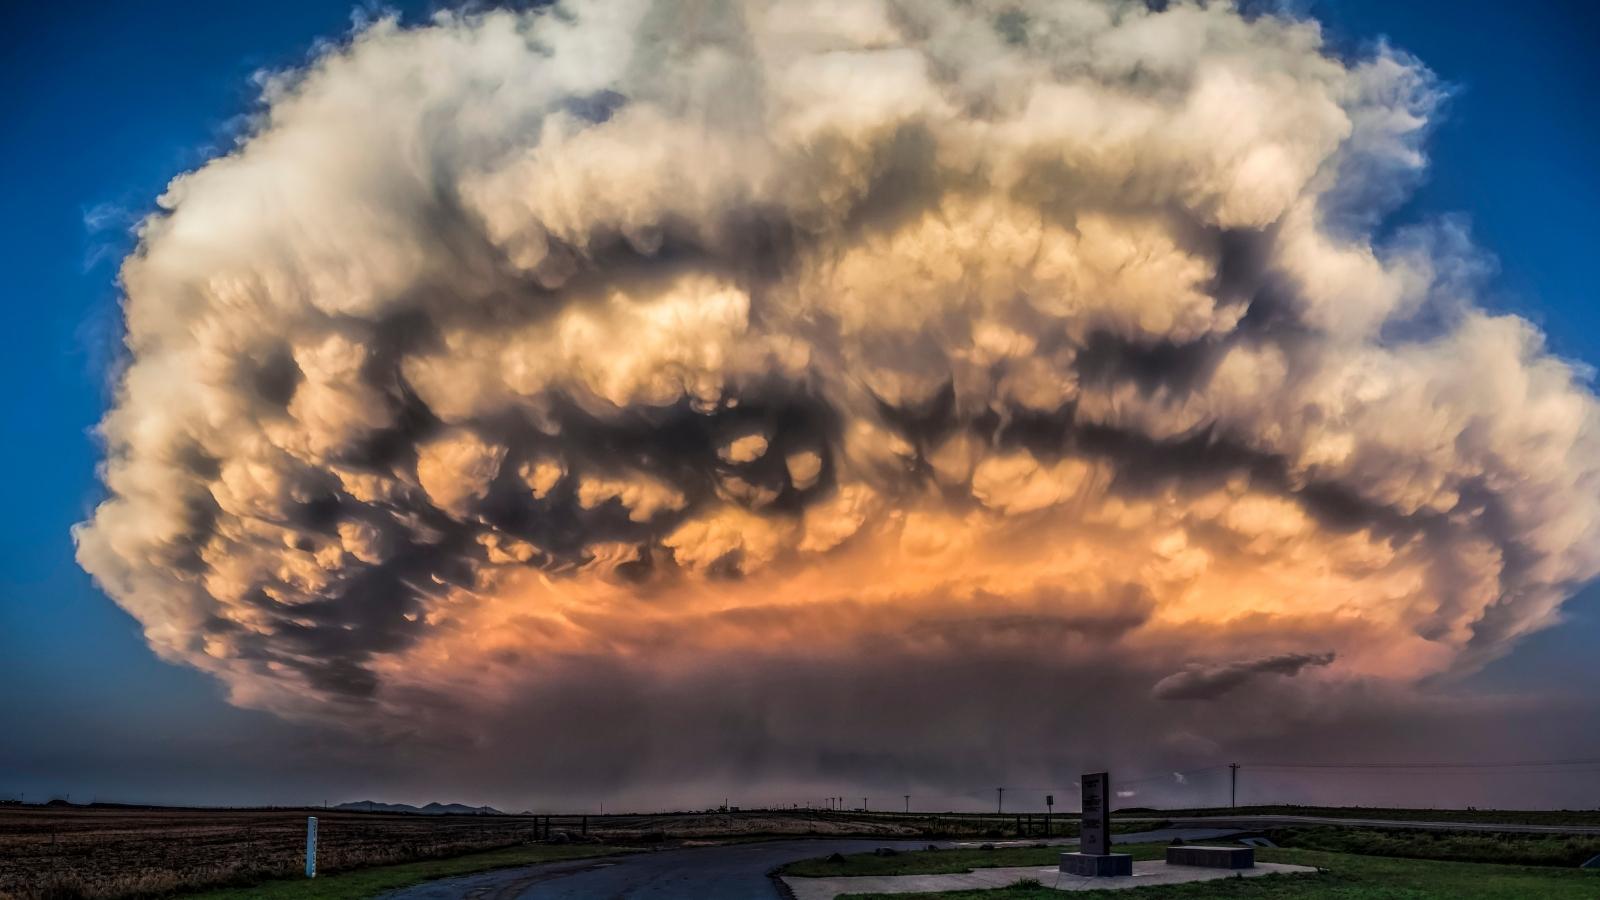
(739, 871)
(1255, 822)
(726, 872)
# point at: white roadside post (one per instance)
(311, 846)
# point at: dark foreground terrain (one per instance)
(107, 852)
(120, 853)
(110, 852)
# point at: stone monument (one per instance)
(1094, 856)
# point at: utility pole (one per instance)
(863, 804)
(908, 804)
(1000, 801)
(1233, 786)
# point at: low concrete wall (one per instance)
(1212, 857)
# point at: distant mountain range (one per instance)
(432, 809)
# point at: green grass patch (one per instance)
(1346, 877)
(1567, 851)
(362, 883)
(1487, 816)
(947, 862)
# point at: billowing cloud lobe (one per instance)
(1207, 682)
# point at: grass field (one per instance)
(1500, 816)
(934, 862)
(1553, 851)
(939, 862)
(1458, 846)
(113, 852)
(365, 883)
(1346, 877)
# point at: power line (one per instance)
(1181, 776)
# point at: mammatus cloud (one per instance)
(1206, 681)
(765, 382)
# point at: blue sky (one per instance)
(106, 102)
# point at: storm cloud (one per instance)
(1208, 681)
(523, 369)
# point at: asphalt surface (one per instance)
(724, 872)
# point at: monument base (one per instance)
(1097, 865)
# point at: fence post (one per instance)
(311, 846)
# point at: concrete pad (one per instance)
(1099, 865)
(1145, 872)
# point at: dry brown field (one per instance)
(109, 852)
